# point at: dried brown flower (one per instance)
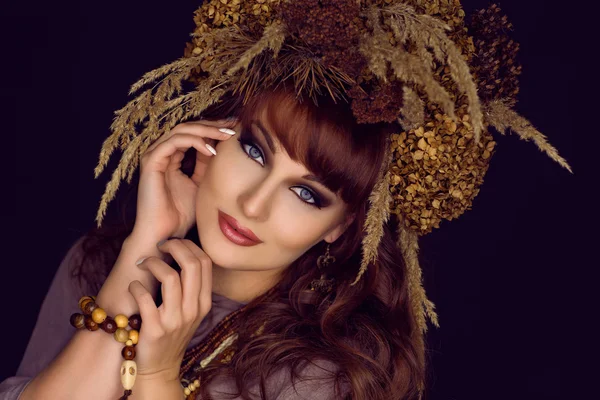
(330, 28)
(378, 103)
(424, 32)
(437, 169)
(495, 62)
(251, 15)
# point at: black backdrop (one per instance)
(507, 277)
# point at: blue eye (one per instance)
(306, 195)
(254, 153)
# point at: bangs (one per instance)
(325, 138)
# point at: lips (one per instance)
(233, 231)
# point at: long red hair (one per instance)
(368, 329)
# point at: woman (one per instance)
(359, 334)
(294, 218)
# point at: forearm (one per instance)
(88, 366)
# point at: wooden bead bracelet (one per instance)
(94, 318)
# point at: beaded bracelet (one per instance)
(94, 317)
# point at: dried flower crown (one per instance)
(416, 63)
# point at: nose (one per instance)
(257, 200)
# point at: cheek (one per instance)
(293, 227)
(298, 231)
(225, 172)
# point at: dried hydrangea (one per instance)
(437, 170)
(427, 185)
(495, 63)
(377, 103)
(330, 28)
(251, 15)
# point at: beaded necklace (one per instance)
(218, 343)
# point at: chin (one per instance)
(220, 258)
(217, 247)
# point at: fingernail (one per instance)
(227, 131)
(211, 149)
(141, 260)
(161, 242)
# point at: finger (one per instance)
(145, 302)
(191, 280)
(171, 284)
(201, 129)
(217, 132)
(190, 275)
(199, 167)
(204, 296)
(219, 123)
(176, 159)
(161, 155)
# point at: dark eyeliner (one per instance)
(246, 137)
(318, 203)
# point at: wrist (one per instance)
(157, 387)
(114, 296)
(144, 245)
(164, 376)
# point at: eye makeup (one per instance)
(251, 147)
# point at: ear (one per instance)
(337, 231)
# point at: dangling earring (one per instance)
(322, 285)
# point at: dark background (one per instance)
(508, 277)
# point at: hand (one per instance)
(166, 196)
(167, 330)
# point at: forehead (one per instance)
(270, 134)
(294, 126)
(281, 114)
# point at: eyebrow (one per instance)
(266, 135)
(271, 144)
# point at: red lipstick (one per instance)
(235, 232)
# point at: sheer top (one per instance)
(53, 331)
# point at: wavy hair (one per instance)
(367, 330)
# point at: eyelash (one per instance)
(243, 141)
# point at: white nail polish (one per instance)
(141, 260)
(210, 148)
(227, 131)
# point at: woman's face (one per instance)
(264, 190)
